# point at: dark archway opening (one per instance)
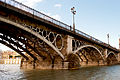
(111, 59)
(90, 56)
(73, 61)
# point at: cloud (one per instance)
(58, 5)
(48, 14)
(29, 3)
(56, 16)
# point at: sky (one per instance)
(94, 17)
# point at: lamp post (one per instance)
(74, 12)
(119, 43)
(108, 38)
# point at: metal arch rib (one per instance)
(88, 46)
(34, 33)
(14, 49)
(113, 54)
(11, 41)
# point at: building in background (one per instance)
(10, 57)
(0, 54)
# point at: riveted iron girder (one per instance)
(20, 46)
(18, 51)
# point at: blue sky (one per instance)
(94, 17)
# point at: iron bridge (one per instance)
(46, 43)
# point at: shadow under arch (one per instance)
(73, 61)
(13, 48)
(14, 45)
(89, 46)
(111, 53)
(111, 58)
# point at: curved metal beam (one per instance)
(84, 56)
(8, 45)
(19, 46)
(41, 46)
(24, 42)
(10, 34)
(79, 56)
(113, 54)
(85, 46)
(32, 32)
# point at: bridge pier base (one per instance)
(61, 65)
(34, 61)
(43, 64)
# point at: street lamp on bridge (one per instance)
(108, 38)
(74, 12)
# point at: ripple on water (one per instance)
(13, 72)
(10, 72)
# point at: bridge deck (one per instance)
(34, 14)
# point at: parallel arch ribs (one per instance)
(89, 53)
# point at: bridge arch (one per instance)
(110, 54)
(13, 48)
(13, 44)
(111, 58)
(86, 46)
(85, 55)
(33, 33)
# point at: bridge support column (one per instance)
(53, 61)
(105, 56)
(62, 64)
(69, 44)
(105, 53)
(119, 57)
(34, 61)
(23, 63)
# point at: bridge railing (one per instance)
(43, 16)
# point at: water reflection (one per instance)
(13, 72)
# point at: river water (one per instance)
(13, 72)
